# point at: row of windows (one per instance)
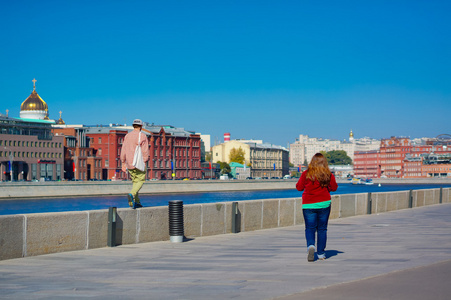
(168, 174)
(392, 167)
(178, 164)
(83, 176)
(82, 163)
(267, 165)
(264, 154)
(392, 155)
(158, 141)
(178, 152)
(366, 162)
(437, 169)
(391, 162)
(30, 144)
(30, 154)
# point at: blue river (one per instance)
(42, 205)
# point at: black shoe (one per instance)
(138, 205)
(131, 201)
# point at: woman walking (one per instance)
(317, 182)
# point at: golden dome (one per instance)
(34, 103)
(351, 134)
(60, 120)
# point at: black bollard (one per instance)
(176, 229)
(234, 217)
(410, 199)
(112, 217)
(369, 204)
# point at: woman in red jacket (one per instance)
(317, 182)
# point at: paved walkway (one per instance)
(397, 255)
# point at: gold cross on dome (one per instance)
(34, 84)
(60, 113)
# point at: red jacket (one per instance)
(313, 192)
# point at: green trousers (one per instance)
(138, 178)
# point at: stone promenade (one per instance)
(403, 254)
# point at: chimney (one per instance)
(226, 137)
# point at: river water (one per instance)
(41, 205)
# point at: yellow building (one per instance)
(265, 160)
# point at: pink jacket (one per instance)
(129, 146)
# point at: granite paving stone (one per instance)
(262, 264)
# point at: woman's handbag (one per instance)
(138, 161)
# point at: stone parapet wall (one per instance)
(90, 188)
(44, 233)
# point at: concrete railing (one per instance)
(43, 233)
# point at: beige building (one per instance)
(306, 147)
(265, 160)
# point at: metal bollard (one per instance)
(441, 195)
(410, 199)
(234, 217)
(370, 204)
(176, 229)
(112, 217)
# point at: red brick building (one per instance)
(398, 158)
(393, 151)
(428, 161)
(172, 151)
(107, 142)
(367, 164)
(436, 170)
(80, 160)
(413, 167)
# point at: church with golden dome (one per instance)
(34, 107)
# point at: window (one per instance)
(100, 140)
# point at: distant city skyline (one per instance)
(259, 70)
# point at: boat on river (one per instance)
(366, 181)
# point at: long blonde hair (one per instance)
(318, 169)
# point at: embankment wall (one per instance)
(90, 188)
(44, 233)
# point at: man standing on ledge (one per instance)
(127, 154)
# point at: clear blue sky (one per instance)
(267, 70)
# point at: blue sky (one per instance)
(267, 70)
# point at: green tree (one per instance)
(337, 157)
(225, 168)
(237, 155)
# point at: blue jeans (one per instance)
(316, 221)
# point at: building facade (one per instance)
(367, 164)
(305, 147)
(29, 150)
(265, 160)
(399, 157)
(80, 157)
(174, 153)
